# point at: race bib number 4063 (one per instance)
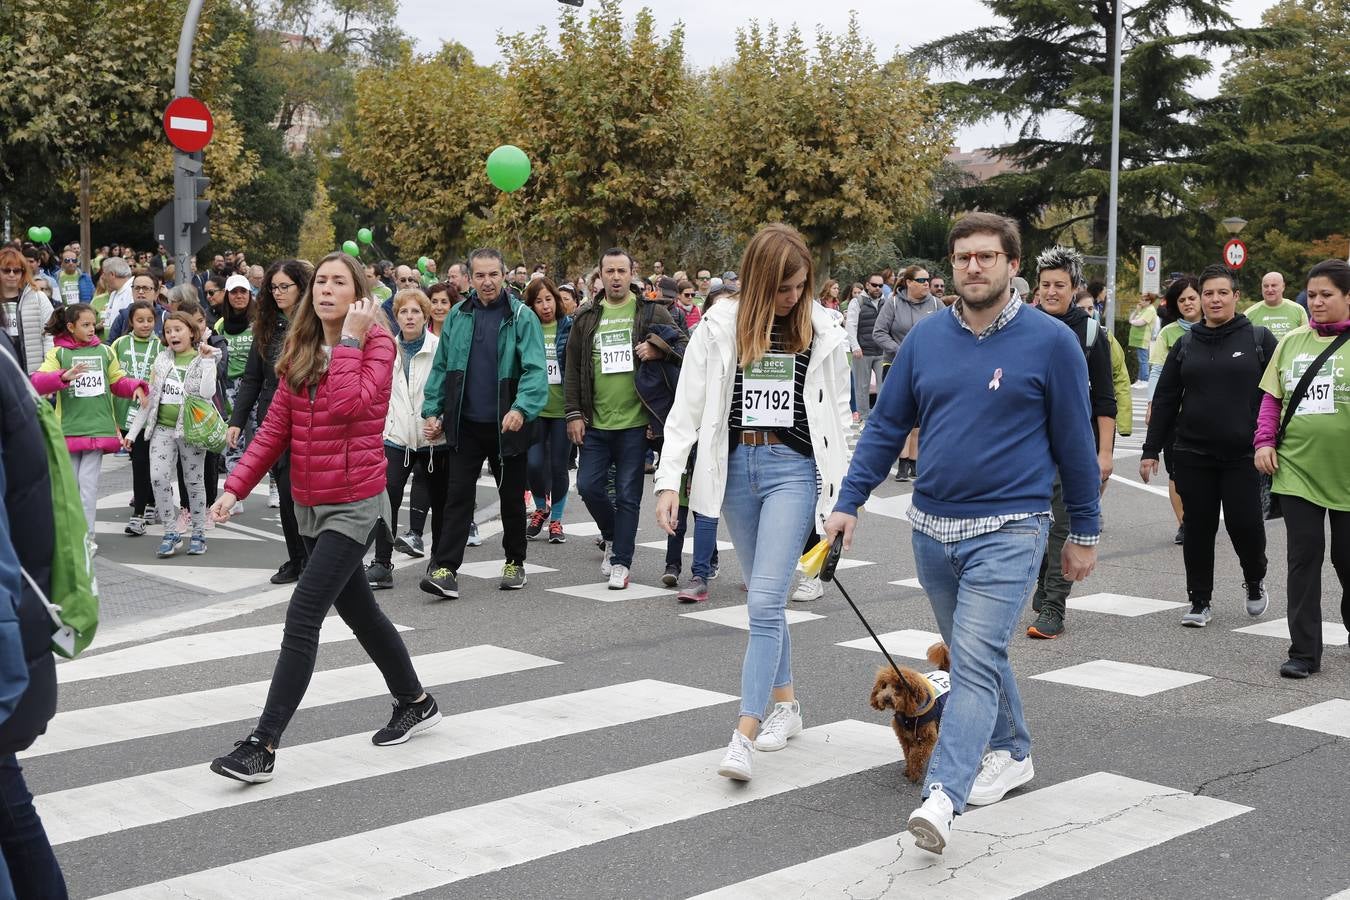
(616, 352)
(767, 392)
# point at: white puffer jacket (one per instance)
(703, 406)
(403, 425)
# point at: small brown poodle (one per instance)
(916, 700)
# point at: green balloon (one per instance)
(508, 168)
(350, 248)
(34, 233)
(422, 262)
(46, 234)
(364, 236)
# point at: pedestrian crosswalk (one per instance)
(143, 700)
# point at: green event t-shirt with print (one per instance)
(86, 402)
(1140, 335)
(1280, 319)
(615, 363)
(380, 291)
(1163, 343)
(240, 346)
(137, 357)
(554, 409)
(171, 396)
(1311, 456)
(70, 288)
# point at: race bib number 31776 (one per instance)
(767, 392)
(616, 352)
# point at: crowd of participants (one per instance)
(345, 383)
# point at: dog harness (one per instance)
(939, 686)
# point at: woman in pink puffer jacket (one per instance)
(334, 378)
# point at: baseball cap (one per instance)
(1020, 285)
(728, 277)
(713, 284)
(668, 287)
(237, 281)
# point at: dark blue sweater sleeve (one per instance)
(13, 667)
(892, 419)
(1072, 433)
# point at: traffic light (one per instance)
(572, 2)
(190, 188)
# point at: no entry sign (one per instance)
(188, 124)
(1235, 253)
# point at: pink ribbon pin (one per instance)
(994, 382)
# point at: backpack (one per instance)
(1183, 345)
(1093, 329)
(74, 613)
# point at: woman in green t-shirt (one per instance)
(1311, 478)
(236, 326)
(1142, 319)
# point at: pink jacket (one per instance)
(47, 380)
(337, 439)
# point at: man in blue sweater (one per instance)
(997, 391)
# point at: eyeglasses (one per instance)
(690, 294)
(67, 259)
(985, 258)
(920, 280)
(143, 288)
(283, 286)
(9, 271)
(411, 280)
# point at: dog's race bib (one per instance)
(940, 680)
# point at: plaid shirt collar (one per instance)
(1004, 317)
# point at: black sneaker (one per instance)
(671, 576)
(407, 720)
(1048, 625)
(442, 583)
(537, 520)
(410, 543)
(1181, 536)
(380, 576)
(904, 470)
(250, 762)
(1298, 668)
(289, 573)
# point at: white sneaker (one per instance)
(999, 773)
(237, 508)
(736, 763)
(783, 722)
(931, 824)
(606, 565)
(273, 497)
(618, 577)
(807, 590)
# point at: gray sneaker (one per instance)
(1257, 598)
(1197, 618)
(513, 577)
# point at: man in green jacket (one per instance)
(488, 382)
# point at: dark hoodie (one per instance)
(1101, 388)
(1208, 394)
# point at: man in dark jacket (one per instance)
(1060, 274)
(27, 670)
(488, 381)
(619, 354)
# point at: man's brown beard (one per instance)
(993, 298)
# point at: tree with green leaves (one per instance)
(821, 140)
(1050, 68)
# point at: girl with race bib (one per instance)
(765, 399)
(548, 456)
(186, 366)
(85, 375)
(136, 351)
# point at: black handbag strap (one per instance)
(1303, 383)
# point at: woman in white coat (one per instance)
(407, 444)
(766, 401)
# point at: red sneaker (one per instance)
(536, 524)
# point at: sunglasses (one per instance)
(9, 271)
(68, 259)
(875, 284)
(920, 280)
(688, 294)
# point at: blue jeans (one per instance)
(978, 589)
(705, 543)
(617, 519)
(1143, 363)
(769, 508)
(33, 869)
(548, 467)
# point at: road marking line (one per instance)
(193, 648)
(739, 616)
(1121, 605)
(1333, 633)
(216, 579)
(192, 618)
(1006, 850)
(1329, 717)
(442, 849)
(600, 591)
(909, 642)
(99, 725)
(1121, 677)
(85, 812)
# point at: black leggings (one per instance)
(142, 493)
(1307, 551)
(281, 477)
(1205, 483)
(419, 502)
(400, 464)
(335, 578)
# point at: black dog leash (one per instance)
(827, 574)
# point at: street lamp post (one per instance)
(1234, 225)
(1112, 216)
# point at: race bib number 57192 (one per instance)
(767, 392)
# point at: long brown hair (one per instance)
(303, 361)
(776, 253)
(266, 314)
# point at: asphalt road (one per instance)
(582, 735)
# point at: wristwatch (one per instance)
(349, 341)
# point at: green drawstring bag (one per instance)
(73, 605)
(202, 425)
